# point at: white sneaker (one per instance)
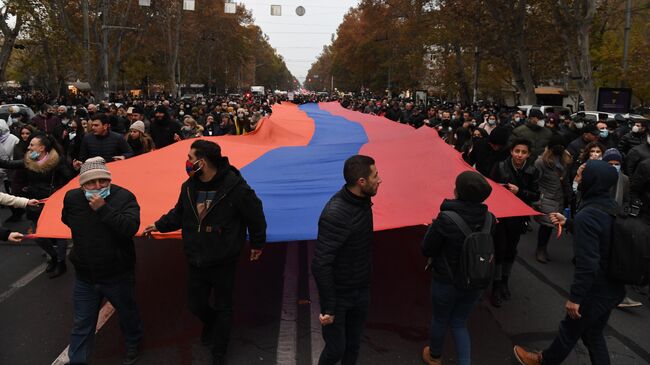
(628, 302)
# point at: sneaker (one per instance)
(428, 359)
(527, 357)
(132, 356)
(628, 302)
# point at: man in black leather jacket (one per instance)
(342, 261)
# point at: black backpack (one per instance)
(476, 265)
(629, 251)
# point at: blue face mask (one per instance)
(34, 155)
(618, 168)
(103, 193)
(604, 133)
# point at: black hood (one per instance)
(597, 180)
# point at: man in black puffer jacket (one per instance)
(103, 142)
(342, 261)
(214, 210)
(103, 219)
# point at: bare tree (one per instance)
(9, 35)
(575, 18)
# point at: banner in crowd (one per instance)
(294, 161)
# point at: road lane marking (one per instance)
(288, 332)
(104, 315)
(317, 343)
(23, 281)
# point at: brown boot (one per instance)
(527, 357)
(426, 356)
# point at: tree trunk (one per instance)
(577, 25)
(460, 75)
(9, 36)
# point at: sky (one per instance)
(299, 39)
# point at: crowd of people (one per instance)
(559, 165)
(562, 166)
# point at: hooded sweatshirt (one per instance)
(592, 228)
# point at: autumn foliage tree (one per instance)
(477, 49)
(161, 44)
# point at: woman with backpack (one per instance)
(445, 243)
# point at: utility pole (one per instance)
(477, 66)
(626, 39)
(86, 43)
(105, 28)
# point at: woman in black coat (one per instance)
(45, 172)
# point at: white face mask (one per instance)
(579, 125)
(541, 123)
(635, 129)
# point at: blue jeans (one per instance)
(451, 308)
(595, 312)
(87, 301)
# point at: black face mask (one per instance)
(49, 115)
(557, 150)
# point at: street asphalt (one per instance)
(276, 304)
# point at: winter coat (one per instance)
(620, 193)
(640, 187)
(162, 132)
(443, 241)
(629, 141)
(635, 157)
(13, 201)
(538, 136)
(103, 239)
(484, 157)
(220, 234)
(43, 177)
(592, 229)
(526, 179)
(107, 147)
(46, 124)
(7, 144)
(343, 254)
(553, 188)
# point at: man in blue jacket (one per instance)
(593, 293)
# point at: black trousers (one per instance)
(343, 337)
(595, 311)
(202, 284)
(506, 239)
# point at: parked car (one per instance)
(545, 109)
(592, 116)
(8, 109)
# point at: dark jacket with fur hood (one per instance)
(43, 177)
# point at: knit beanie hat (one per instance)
(93, 168)
(612, 154)
(472, 187)
(138, 126)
